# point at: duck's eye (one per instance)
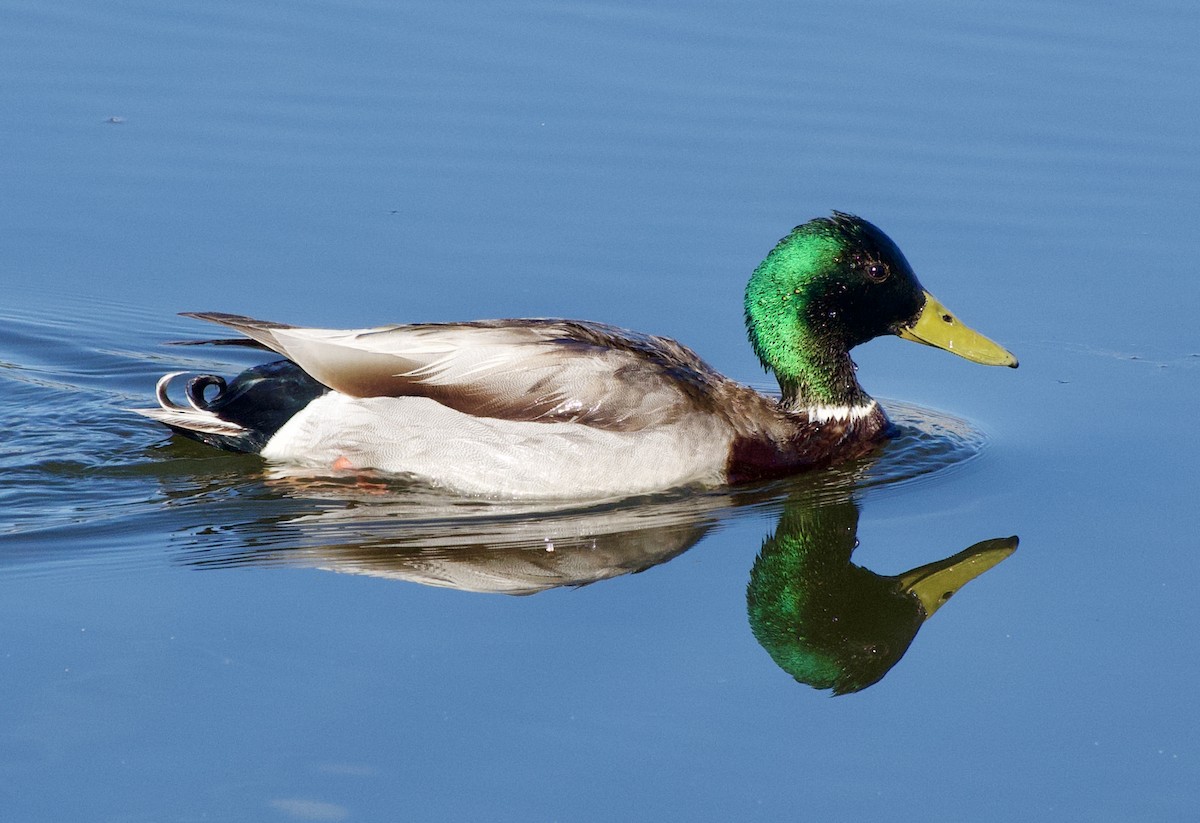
(877, 272)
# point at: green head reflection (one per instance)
(832, 624)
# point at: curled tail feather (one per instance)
(242, 415)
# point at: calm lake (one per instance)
(188, 635)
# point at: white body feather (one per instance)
(489, 456)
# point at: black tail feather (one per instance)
(260, 400)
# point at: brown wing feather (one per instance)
(538, 370)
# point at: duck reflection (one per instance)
(824, 620)
(501, 549)
(832, 624)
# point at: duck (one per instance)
(556, 408)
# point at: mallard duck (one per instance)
(566, 408)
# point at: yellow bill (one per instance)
(935, 583)
(936, 326)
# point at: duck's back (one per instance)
(548, 408)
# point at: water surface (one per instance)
(187, 636)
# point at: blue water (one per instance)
(186, 636)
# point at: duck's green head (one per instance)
(835, 625)
(831, 284)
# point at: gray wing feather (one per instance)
(542, 370)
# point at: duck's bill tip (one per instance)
(938, 327)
